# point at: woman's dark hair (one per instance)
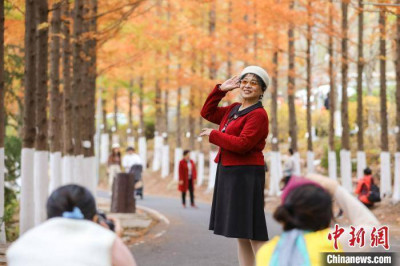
(259, 81)
(65, 198)
(307, 207)
(185, 152)
(367, 171)
(290, 151)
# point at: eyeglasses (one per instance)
(252, 83)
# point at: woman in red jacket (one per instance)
(238, 200)
(187, 178)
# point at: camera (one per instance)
(103, 218)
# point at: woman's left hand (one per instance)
(206, 132)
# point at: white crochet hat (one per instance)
(115, 146)
(259, 71)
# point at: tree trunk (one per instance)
(41, 87)
(166, 97)
(309, 78)
(86, 118)
(345, 115)
(212, 24)
(77, 83)
(229, 44)
(201, 96)
(2, 89)
(103, 105)
(332, 88)
(116, 109)
(382, 61)
(55, 95)
(291, 86)
(2, 124)
(130, 104)
(255, 35)
(30, 75)
(141, 113)
(68, 147)
(274, 99)
(92, 73)
(27, 207)
(157, 102)
(360, 66)
(179, 98)
(192, 107)
(398, 80)
(178, 116)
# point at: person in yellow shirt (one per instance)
(306, 214)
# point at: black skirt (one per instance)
(238, 202)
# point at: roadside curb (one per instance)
(155, 214)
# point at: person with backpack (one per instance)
(368, 193)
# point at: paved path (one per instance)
(186, 240)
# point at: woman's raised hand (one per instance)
(230, 84)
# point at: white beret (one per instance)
(259, 71)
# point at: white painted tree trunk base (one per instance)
(177, 158)
(67, 170)
(41, 184)
(2, 181)
(386, 179)
(361, 164)
(275, 167)
(212, 171)
(131, 141)
(297, 167)
(200, 169)
(104, 148)
(158, 143)
(332, 165)
(194, 155)
(55, 171)
(165, 161)
(78, 175)
(345, 170)
(27, 207)
(89, 170)
(338, 123)
(143, 150)
(310, 162)
(115, 138)
(396, 189)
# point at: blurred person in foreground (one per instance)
(306, 215)
(74, 234)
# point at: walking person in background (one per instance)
(132, 163)
(187, 178)
(113, 163)
(74, 234)
(238, 200)
(130, 159)
(288, 167)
